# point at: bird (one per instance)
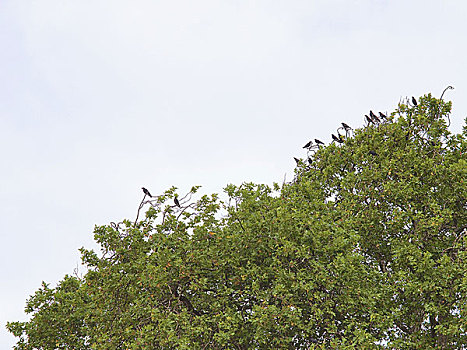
(318, 142)
(414, 101)
(297, 160)
(146, 192)
(383, 116)
(346, 127)
(308, 145)
(369, 120)
(177, 203)
(335, 138)
(374, 117)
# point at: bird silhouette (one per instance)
(414, 101)
(177, 203)
(346, 127)
(318, 142)
(369, 120)
(337, 139)
(146, 192)
(383, 116)
(374, 117)
(308, 145)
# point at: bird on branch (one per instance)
(318, 142)
(414, 101)
(337, 139)
(374, 117)
(177, 203)
(308, 145)
(146, 192)
(369, 120)
(346, 127)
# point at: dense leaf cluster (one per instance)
(365, 249)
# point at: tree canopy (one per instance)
(364, 249)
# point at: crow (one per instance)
(338, 139)
(297, 160)
(318, 142)
(374, 117)
(383, 116)
(346, 127)
(177, 203)
(146, 192)
(414, 101)
(308, 145)
(369, 120)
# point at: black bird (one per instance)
(146, 192)
(346, 127)
(177, 203)
(373, 153)
(308, 145)
(335, 138)
(383, 116)
(297, 160)
(318, 142)
(374, 117)
(369, 120)
(414, 101)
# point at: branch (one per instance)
(140, 207)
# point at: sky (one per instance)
(99, 98)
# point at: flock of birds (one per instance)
(371, 119)
(311, 146)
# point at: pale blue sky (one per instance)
(99, 98)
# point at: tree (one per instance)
(364, 249)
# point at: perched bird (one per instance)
(338, 139)
(383, 116)
(310, 161)
(374, 117)
(177, 203)
(297, 160)
(414, 101)
(318, 142)
(346, 127)
(369, 120)
(373, 153)
(308, 145)
(146, 192)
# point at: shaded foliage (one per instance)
(364, 249)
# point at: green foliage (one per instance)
(365, 249)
